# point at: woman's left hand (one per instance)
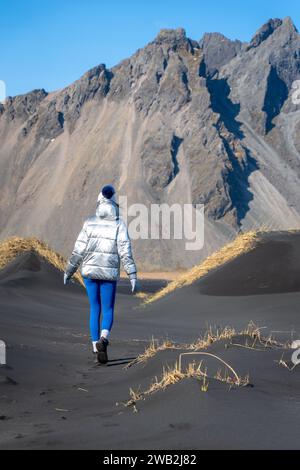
(133, 283)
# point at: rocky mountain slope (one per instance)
(181, 121)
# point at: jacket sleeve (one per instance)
(124, 250)
(78, 252)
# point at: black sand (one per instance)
(52, 395)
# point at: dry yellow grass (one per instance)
(209, 338)
(242, 244)
(141, 295)
(283, 363)
(171, 376)
(205, 383)
(252, 335)
(12, 247)
(227, 378)
(153, 348)
(212, 336)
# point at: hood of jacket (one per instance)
(107, 209)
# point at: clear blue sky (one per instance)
(50, 43)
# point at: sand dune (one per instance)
(54, 396)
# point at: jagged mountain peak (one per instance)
(265, 31)
(33, 96)
(175, 39)
(23, 106)
(288, 23)
(171, 35)
(286, 26)
(214, 36)
(217, 50)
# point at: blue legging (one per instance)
(102, 296)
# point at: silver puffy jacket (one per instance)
(102, 242)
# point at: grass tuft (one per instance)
(153, 348)
(212, 336)
(173, 375)
(252, 334)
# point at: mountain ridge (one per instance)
(176, 122)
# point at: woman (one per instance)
(102, 242)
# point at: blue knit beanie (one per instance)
(108, 191)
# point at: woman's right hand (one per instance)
(67, 280)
